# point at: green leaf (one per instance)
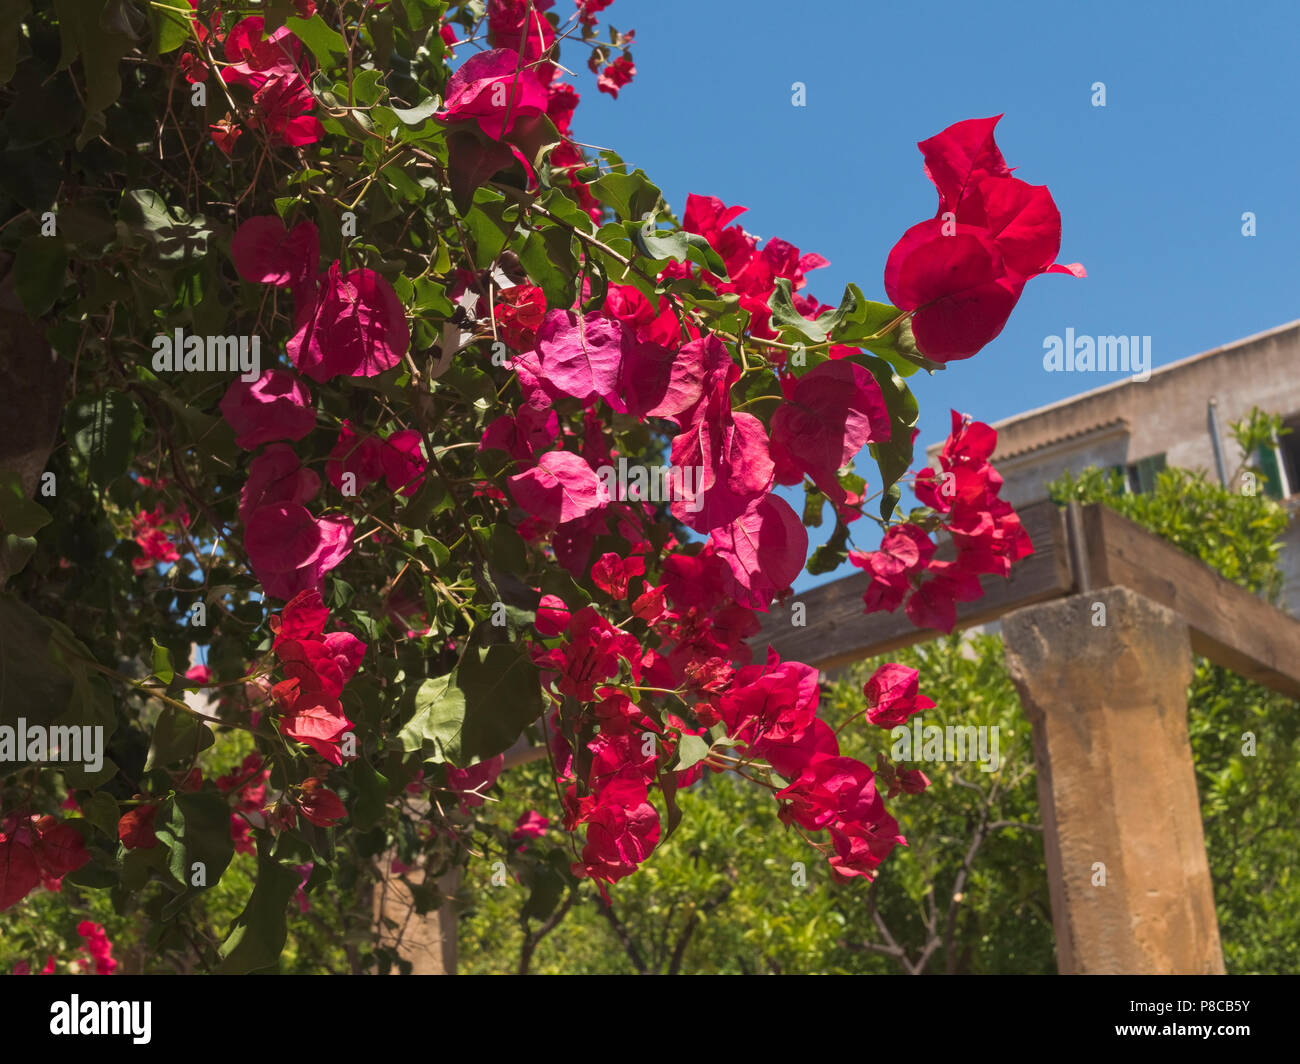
(177, 737)
(681, 246)
(326, 44)
(567, 211)
(83, 32)
(438, 719)
(503, 695)
(103, 430)
(858, 319)
(19, 515)
(631, 195)
(258, 935)
(831, 554)
(102, 811)
(12, 13)
(691, 751)
(171, 29)
(15, 553)
(895, 456)
(548, 886)
(40, 267)
(196, 829)
(33, 684)
(489, 226)
(548, 257)
(372, 795)
(367, 87)
(413, 116)
(162, 663)
(813, 504)
(174, 235)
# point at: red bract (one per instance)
(616, 75)
(859, 848)
(359, 455)
(519, 312)
(225, 134)
(561, 101)
(276, 476)
(33, 850)
(612, 574)
(290, 550)
(561, 487)
(962, 272)
(506, 30)
(831, 413)
(357, 328)
(98, 946)
(775, 702)
(496, 90)
(892, 695)
(195, 70)
(832, 790)
(581, 356)
(592, 654)
(135, 828)
(319, 661)
(313, 718)
(473, 782)
(320, 805)
(266, 252)
(622, 831)
(19, 872)
(765, 548)
(273, 69)
(276, 406)
(530, 825)
(752, 272)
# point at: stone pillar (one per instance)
(430, 941)
(1103, 677)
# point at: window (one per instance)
(1288, 446)
(1267, 458)
(1140, 478)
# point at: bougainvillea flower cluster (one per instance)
(316, 665)
(961, 272)
(273, 67)
(36, 850)
(985, 529)
(640, 641)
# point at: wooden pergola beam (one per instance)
(1230, 626)
(837, 632)
(1079, 549)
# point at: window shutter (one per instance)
(1147, 469)
(1268, 465)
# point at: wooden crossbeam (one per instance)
(837, 632)
(1082, 549)
(1228, 625)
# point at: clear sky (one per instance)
(1201, 124)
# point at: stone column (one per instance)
(1103, 677)
(430, 941)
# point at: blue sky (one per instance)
(1200, 125)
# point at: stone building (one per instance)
(1179, 416)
